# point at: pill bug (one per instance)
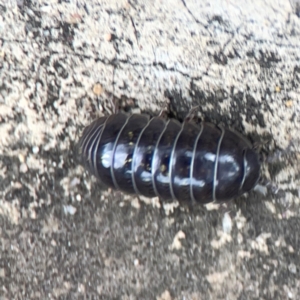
(181, 161)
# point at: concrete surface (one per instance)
(62, 234)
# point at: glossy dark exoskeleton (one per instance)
(154, 157)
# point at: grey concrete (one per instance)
(62, 234)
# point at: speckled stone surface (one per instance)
(65, 236)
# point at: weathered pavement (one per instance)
(62, 235)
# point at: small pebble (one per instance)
(21, 158)
(23, 168)
(227, 223)
(35, 149)
(292, 268)
(136, 262)
(107, 36)
(289, 103)
(69, 209)
(176, 245)
(97, 89)
(75, 181)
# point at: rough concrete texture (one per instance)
(62, 234)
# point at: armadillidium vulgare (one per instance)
(154, 157)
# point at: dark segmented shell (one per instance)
(154, 157)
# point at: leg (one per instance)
(113, 105)
(164, 110)
(113, 102)
(191, 113)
